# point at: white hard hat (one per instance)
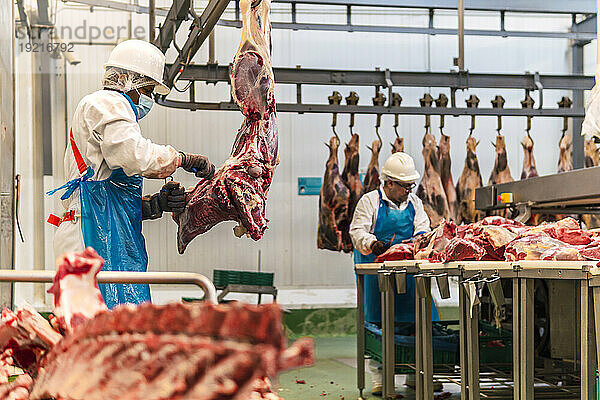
(400, 167)
(141, 57)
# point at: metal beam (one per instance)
(585, 36)
(310, 76)
(529, 6)
(577, 150)
(176, 15)
(588, 25)
(344, 109)
(202, 27)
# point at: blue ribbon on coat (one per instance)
(73, 184)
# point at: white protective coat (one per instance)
(108, 137)
(365, 216)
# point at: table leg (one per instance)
(419, 361)
(588, 362)
(526, 343)
(462, 308)
(596, 302)
(391, 345)
(427, 343)
(516, 319)
(360, 333)
(473, 352)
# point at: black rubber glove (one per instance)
(172, 197)
(378, 248)
(151, 207)
(198, 165)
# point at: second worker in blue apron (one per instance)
(386, 216)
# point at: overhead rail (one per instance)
(516, 6)
(581, 31)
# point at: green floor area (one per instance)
(333, 376)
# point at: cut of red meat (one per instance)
(238, 190)
(75, 289)
(531, 247)
(16, 390)
(400, 251)
(431, 245)
(462, 249)
(497, 220)
(563, 253)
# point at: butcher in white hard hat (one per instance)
(105, 162)
(384, 217)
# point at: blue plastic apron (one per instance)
(399, 225)
(111, 223)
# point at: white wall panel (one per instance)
(289, 246)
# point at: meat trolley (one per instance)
(472, 275)
(37, 276)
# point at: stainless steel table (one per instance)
(470, 274)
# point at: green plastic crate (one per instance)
(495, 345)
(445, 348)
(222, 278)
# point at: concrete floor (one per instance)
(333, 376)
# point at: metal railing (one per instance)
(210, 293)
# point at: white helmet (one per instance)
(400, 167)
(141, 57)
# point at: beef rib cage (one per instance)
(239, 188)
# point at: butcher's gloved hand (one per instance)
(171, 198)
(378, 248)
(151, 207)
(197, 164)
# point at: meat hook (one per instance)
(441, 101)
(498, 102)
(396, 100)
(528, 102)
(565, 102)
(426, 101)
(334, 99)
(352, 100)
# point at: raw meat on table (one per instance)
(239, 188)
(400, 251)
(333, 205)
(459, 249)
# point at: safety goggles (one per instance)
(406, 186)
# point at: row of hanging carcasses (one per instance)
(442, 199)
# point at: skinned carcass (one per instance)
(238, 190)
(430, 190)
(501, 171)
(469, 180)
(529, 168)
(170, 352)
(333, 205)
(371, 180)
(565, 159)
(398, 145)
(351, 177)
(446, 175)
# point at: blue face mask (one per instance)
(144, 105)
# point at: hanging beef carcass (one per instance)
(565, 159)
(174, 351)
(333, 205)
(446, 175)
(501, 171)
(371, 180)
(529, 169)
(398, 145)
(351, 178)
(239, 188)
(469, 180)
(431, 191)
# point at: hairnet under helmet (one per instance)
(124, 80)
